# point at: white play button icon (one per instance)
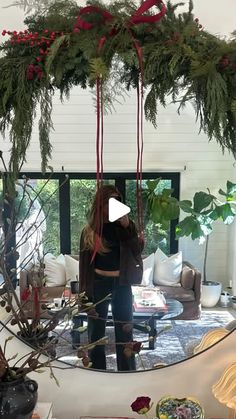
(116, 210)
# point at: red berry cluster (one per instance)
(34, 70)
(225, 62)
(41, 42)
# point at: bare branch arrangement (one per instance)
(31, 313)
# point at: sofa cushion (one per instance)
(49, 293)
(148, 269)
(167, 270)
(55, 273)
(187, 278)
(178, 293)
(72, 268)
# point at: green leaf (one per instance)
(54, 50)
(215, 214)
(231, 188)
(185, 227)
(201, 201)
(172, 211)
(167, 192)
(98, 68)
(152, 184)
(221, 192)
(197, 231)
(186, 206)
(227, 213)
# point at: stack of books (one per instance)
(150, 301)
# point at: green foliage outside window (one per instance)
(155, 234)
(48, 199)
(82, 193)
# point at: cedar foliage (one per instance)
(180, 59)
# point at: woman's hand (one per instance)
(124, 221)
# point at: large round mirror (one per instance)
(185, 162)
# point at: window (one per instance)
(82, 192)
(68, 201)
(155, 236)
(37, 208)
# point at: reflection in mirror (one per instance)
(175, 340)
(168, 335)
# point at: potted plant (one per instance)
(18, 392)
(202, 214)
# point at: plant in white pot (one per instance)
(202, 214)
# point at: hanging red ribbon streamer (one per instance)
(137, 18)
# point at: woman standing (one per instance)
(110, 265)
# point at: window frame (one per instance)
(120, 180)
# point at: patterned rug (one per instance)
(173, 345)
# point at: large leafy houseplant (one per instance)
(203, 212)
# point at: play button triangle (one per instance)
(116, 210)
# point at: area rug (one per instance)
(172, 345)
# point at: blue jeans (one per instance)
(122, 311)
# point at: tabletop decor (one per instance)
(170, 407)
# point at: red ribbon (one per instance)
(136, 19)
(25, 295)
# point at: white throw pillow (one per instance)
(54, 270)
(167, 270)
(72, 268)
(148, 269)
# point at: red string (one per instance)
(137, 18)
(98, 164)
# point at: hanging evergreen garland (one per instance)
(179, 57)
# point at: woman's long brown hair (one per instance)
(93, 228)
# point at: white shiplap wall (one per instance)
(176, 143)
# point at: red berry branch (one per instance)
(39, 42)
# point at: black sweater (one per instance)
(131, 266)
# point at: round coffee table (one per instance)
(173, 309)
